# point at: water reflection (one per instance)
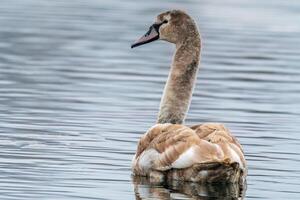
(184, 190)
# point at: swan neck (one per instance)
(181, 80)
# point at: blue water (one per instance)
(75, 99)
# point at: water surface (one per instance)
(75, 99)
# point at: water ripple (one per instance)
(74, 99)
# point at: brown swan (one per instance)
(170, 150)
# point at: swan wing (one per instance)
(218, 134)
(167, 146)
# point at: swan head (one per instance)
(174, 26)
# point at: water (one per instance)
(74, 98)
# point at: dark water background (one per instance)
(74, 98)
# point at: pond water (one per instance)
(75, 99)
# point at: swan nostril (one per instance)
(149, 31)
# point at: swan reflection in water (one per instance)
(186, 190)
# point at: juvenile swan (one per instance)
(170, 150)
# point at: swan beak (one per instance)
(150, 36)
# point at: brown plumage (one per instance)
(215, 155)
(170, 150)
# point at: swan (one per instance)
(170, 150)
